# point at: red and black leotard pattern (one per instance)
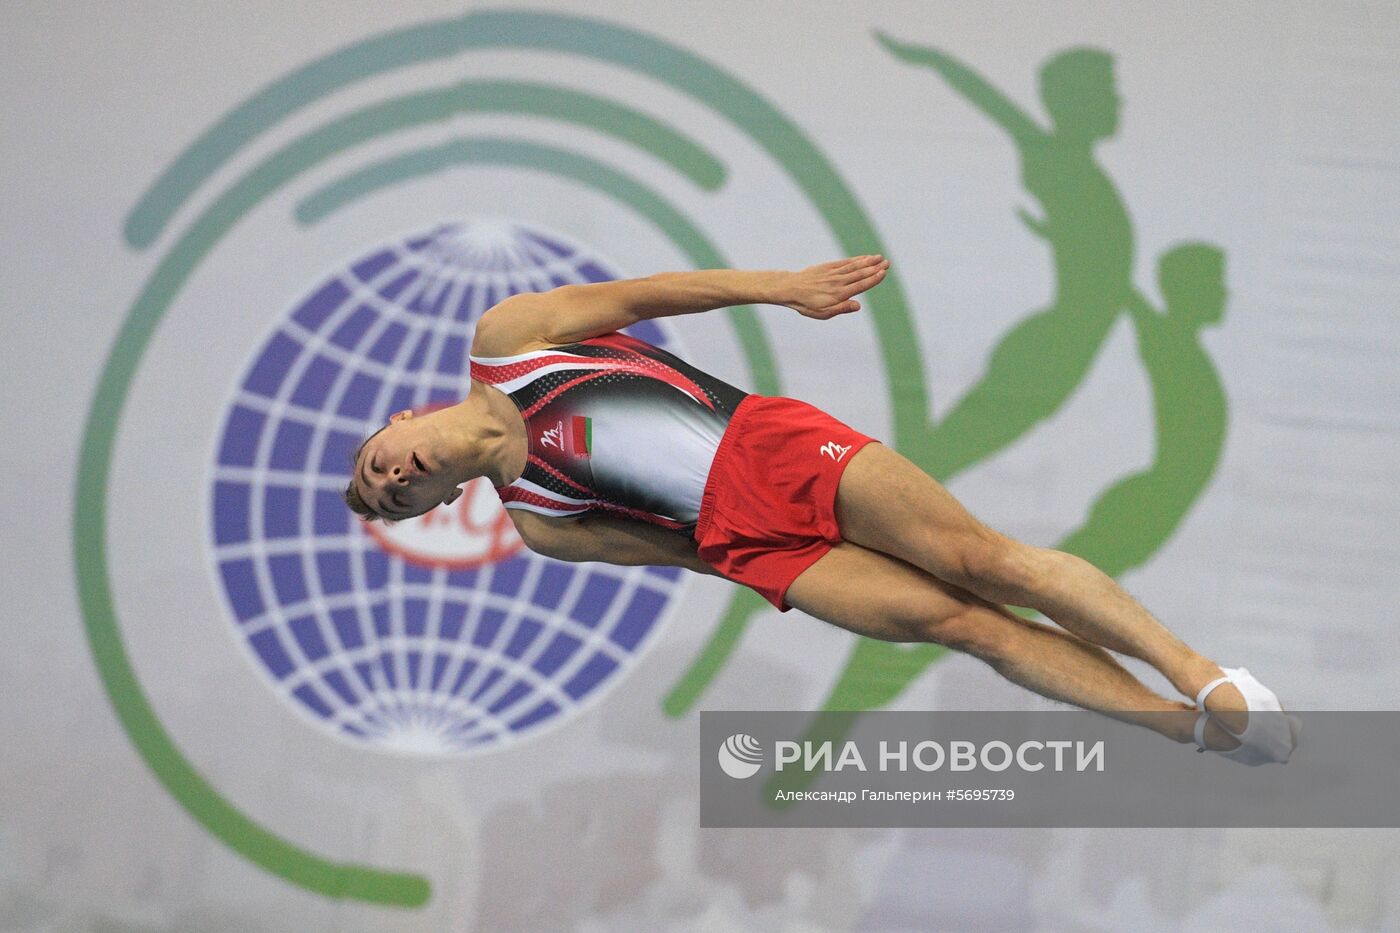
(614, 424)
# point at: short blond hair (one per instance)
(358, 505)
(353, 500)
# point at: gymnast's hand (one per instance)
(829, 289)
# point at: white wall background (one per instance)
(1270, 129)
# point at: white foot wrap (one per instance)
(1265, 738)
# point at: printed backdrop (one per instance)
(1142, 307)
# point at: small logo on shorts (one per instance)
(741, 756)
(554, 437)
(835, 451)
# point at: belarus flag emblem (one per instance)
(582, 430)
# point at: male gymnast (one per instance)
(605, 448)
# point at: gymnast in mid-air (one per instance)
(603, 447)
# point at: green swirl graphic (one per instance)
(152, 216)
(1129, 522)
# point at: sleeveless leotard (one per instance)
(614, 424)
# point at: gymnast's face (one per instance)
(402, 471)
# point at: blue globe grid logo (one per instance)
(410, 656)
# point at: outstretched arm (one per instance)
(572, 313)
(969, 84)
(605, 538)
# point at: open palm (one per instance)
(826, 290)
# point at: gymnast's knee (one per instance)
(976, 630)
(1001, 569)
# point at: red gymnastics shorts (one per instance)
(769, 507)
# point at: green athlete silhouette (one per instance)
(1135, 516)
(1043, 359)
